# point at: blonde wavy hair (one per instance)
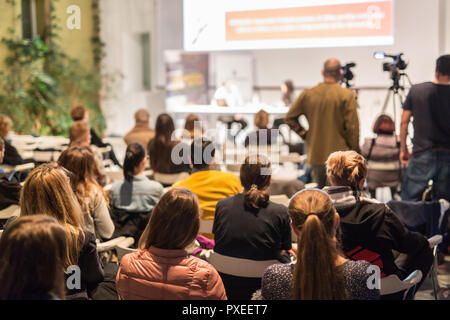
(346, 168)
(47, 191)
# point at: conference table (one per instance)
(247, 109)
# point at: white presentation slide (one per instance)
(212, 25)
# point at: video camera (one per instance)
(347, 74)
(393, 67)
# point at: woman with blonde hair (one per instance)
(321, 271)
(81, 163)
(32, 254)
(371, 225)
(173, 226)
(47, 191)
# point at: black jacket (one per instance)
(375, 227)
(12, 156)
(9, 191)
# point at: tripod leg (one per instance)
(386, 101)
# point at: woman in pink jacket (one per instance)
(161, 269)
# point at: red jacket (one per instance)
(159, 274)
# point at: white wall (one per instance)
(416, 32)
(122, 23)
(421, 30)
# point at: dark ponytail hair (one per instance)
(133, 156)
(255, 177)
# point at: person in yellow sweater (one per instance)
(209, 185)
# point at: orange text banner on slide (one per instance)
(368, 19)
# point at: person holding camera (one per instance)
(333, 120)
(429, 105)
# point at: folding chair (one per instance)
(239, 267)
(392, 284)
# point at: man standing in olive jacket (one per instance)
(332, 117)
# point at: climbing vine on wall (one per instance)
(41, 82)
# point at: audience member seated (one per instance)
(47, 191)
(250, 226)
(192, 128)
(32, 255)
(9, 186)
(263, 135)
(321, 271)
(134, 198)
(11, 155)
(80, 136)
(84, 174)
(141, 132)
(209, 185)
(371, 225)
(160, 147)
(383, 154)
(161, 269)
(79, 113)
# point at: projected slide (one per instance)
(274, 24)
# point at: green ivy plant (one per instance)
(41, 83)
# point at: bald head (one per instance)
(332, 69)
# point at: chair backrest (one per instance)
(206, 226)
(170, 178)
(280, 198)
(392, 284)
(111, 244)
(122, 250)
(239, 267)
(11, 211)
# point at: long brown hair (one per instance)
(316, 276)
(174, 222)
(160, 147)
(47, 191)
(255, 174)
(78, 133)
(80, 161)
(346, 168)
(32, 254)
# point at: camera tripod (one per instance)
(398, 93)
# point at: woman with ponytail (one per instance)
(136, 193)
(321, 271)
(250, 226)
(368, 224)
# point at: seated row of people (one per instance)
(321, 270)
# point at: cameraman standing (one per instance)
(429, 105)
(332, 117)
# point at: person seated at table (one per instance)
(84, 175)
(263, 135)
(209, 185)
(321, 271)
(161, 269)
(80, 113)
(32, 254)
(383, 154)
(250, 226)
(371, 225)
(161, 146)
(134, 198)
(141, 132)
(11, 155)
